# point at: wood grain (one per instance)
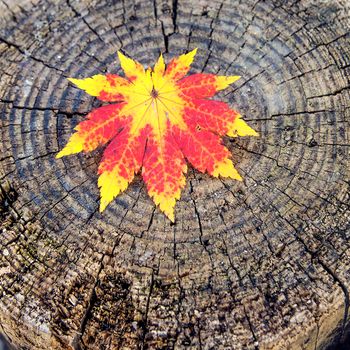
(262, 264)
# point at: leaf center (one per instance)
(154, 93)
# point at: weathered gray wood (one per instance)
(262, 264)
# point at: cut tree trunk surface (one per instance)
(259, 264)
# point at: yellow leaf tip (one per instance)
(251, 132)
(62, 153)
(74, 81)
(240, 128)
(193, 53)
(238, 177)
(226, 169)
(166, 204)
(233, 78)
(121, 56)
(103, 204)
(222, 82)
(234, 175)
(171, 216)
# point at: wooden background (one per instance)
(262, 264)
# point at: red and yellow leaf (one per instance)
(160, 119)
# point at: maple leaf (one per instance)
(160, 118)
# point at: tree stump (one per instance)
(262, 264)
